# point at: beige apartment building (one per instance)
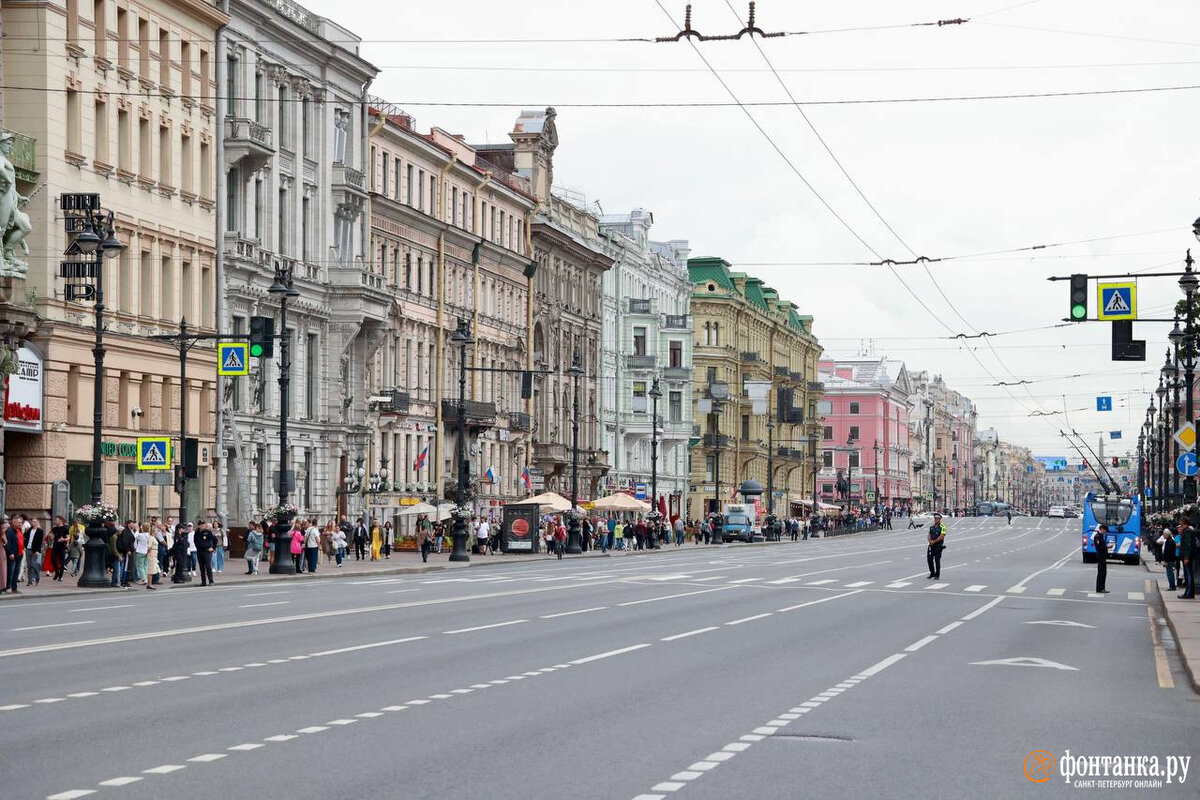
(449, 237)
(119, 97)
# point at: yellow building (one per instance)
(751, 344)
(120, 98)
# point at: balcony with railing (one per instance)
(790, 452)
(751, 357)
(677, 322)
(401, 402)
(716, 440)
(247, 144)
(640, 306)
(816, 386)
(348, 181)
(551, 452)
(476, 414)
(677, 373)
(519, 421)
(641, 362)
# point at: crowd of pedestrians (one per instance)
(1177, 547)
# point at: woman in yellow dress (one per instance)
(376, 540)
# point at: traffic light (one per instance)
(1079, 297)
(262, 337)
(1115, 460)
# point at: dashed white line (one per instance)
(979, 587)
(944, 630)
(572, 613)
(857, 584)
(898, 584)
(72, 794)
(485, 627)
(264, 605)
(55, 625)
(673, 596)
(1015, 590)
(367, 646)
(689, 633)
(1056, 592)
(935, 586)
(313, 729)
(164, 769)
(246, 746)
(204, 759)
(749, 619)
(875, 669)
(917, 645)
(1136, 596)
(982, 609)
(120, 781)
(610, 653)
(821, 582)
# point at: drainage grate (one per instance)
(813, 737)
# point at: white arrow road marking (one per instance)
(1066, 623)
(1024, 661)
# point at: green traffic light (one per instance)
(256, 350)
(1078, 311)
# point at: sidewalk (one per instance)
(404, 562)
(1184, 618)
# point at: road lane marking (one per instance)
(1056, 592)
(267, 594)
(937, 586)
(313, 729)
(821, 582)
(72, 794)
(367, 646)
(979, 587)
(207, 757)
(264, 605)
(165, 769)
(99, 608)
(55, 625)
(689, 633)
(674, 596)
(120, 781)
(571, 613)
(246, 746)
(283, 737)
(857, 584)
(485, 627)
(610, 654)
(821, 600)
(944, 630)
(917, 645)
(746, 580)
(782, 581)
(1136, 596)
(749, 619)
(898, 585)
(1161, 668)
(879, 667)
(1015, 590)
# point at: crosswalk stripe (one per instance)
(784, 580)
(821, 583)
(1094, 595)
(1056, 592)
(857, 584)
(746, 580)
(976, 588)
(1016, 590)
(938, 586)
(898, 585)
(1137, 596)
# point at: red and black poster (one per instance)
(520, 525)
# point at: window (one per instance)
(260, 204)
(205, 170)
(306, 138)
(828, 433)
(397, 183)
(454, 205)
(207, 287)
(101, 114)
(306, 229)
(98, 17)
(164, 58)
(384, 173)
(745, 427)
(166, 289)
(164, 156)
(185, 74)
(145, 149)
(186, 182)
(709, 465)
(260, 98)
(205, 78)
(146, 284)
(127, 280)
(675, 354)
(371, 171)
(143, 48)
(281, 108)
(408, 271)
(421, 190)
(187, 292)
(233, 209)
(411, 185)
(827, 461)
(74, 126)
(716, 334)
(854, 460)
(854, 433)
(639, 397)
(122, 38)
(434, 211)
(938, 446)
(231, 84)
(281, 223)
(639, 341)
(675, 406)
(854, 408)
(710, 375)
(311, 370)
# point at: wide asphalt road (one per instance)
(828, 668)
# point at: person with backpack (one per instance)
(1168, 555)
(1189, 549)
(424, 536)
(312, 544)
(254, 546)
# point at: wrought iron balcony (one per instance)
(816, 386)
(790, 452)
(641, 362)
(247, 143)
(716, 440)
(519, 421)
(637, 306)
(476, 414)
(677, 373)
(551, 452)
(676, 321)
(751, 357)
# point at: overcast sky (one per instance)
(949, 178)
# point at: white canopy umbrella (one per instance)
(549, 501)
(444, 509)
(620, 502)
(419, 508)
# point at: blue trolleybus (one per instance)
(1123, 516)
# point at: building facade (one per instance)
(755, 390)
(122, 102)
(945, 462)
(448, 238)
(293, 203)
(647, 343)
(866, 432)
(569, 259)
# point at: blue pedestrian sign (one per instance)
(1104, 403)
(233, 358)
(154, 452)
(639, 491)
(1186, 464)
(1118, 301)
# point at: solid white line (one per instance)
(263, 605)
(99, 608)
(748, 619)
(917, 645)
(55, 625)
(367, 646)
(673, 596)
(570, 613)
(486, 627)
(689, 633)
(882, 665)
(822, 600)
(982, 609)
(950, 627)
(610, 653)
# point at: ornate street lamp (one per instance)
(462, 339)
(283, 290)
(1188, 282)
(574, 532)
(654, 516)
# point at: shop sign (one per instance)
(23, 403)
(119, 449)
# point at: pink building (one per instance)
(866, 447)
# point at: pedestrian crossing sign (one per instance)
(1118, 301)
(154, 452)
(233, 358)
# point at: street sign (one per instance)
(639, 491)
(290, 475)
(870, 497)
(1186, 436)
(233, 358)
(154, 452)
(152, 479)
(929, 495)
(1186, 464)
(1104, 403)
(1114, 434)
(80, 291)
(1118, 301)
(537, 479)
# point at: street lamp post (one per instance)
(878, 449)
(283, 290)
(462, 338)
(574, 534)
(718, 393)
(1165, 465)
(655, 394)
(1188, 282)
(1171, 373)
(90, 243)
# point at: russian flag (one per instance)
(421, 458)
(527, 480)
(491, 474)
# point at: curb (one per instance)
(1192, 672)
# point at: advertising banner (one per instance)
(520, 528)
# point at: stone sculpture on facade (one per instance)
(14, 223)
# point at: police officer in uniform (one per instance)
(1100, 542)
(937, 543)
